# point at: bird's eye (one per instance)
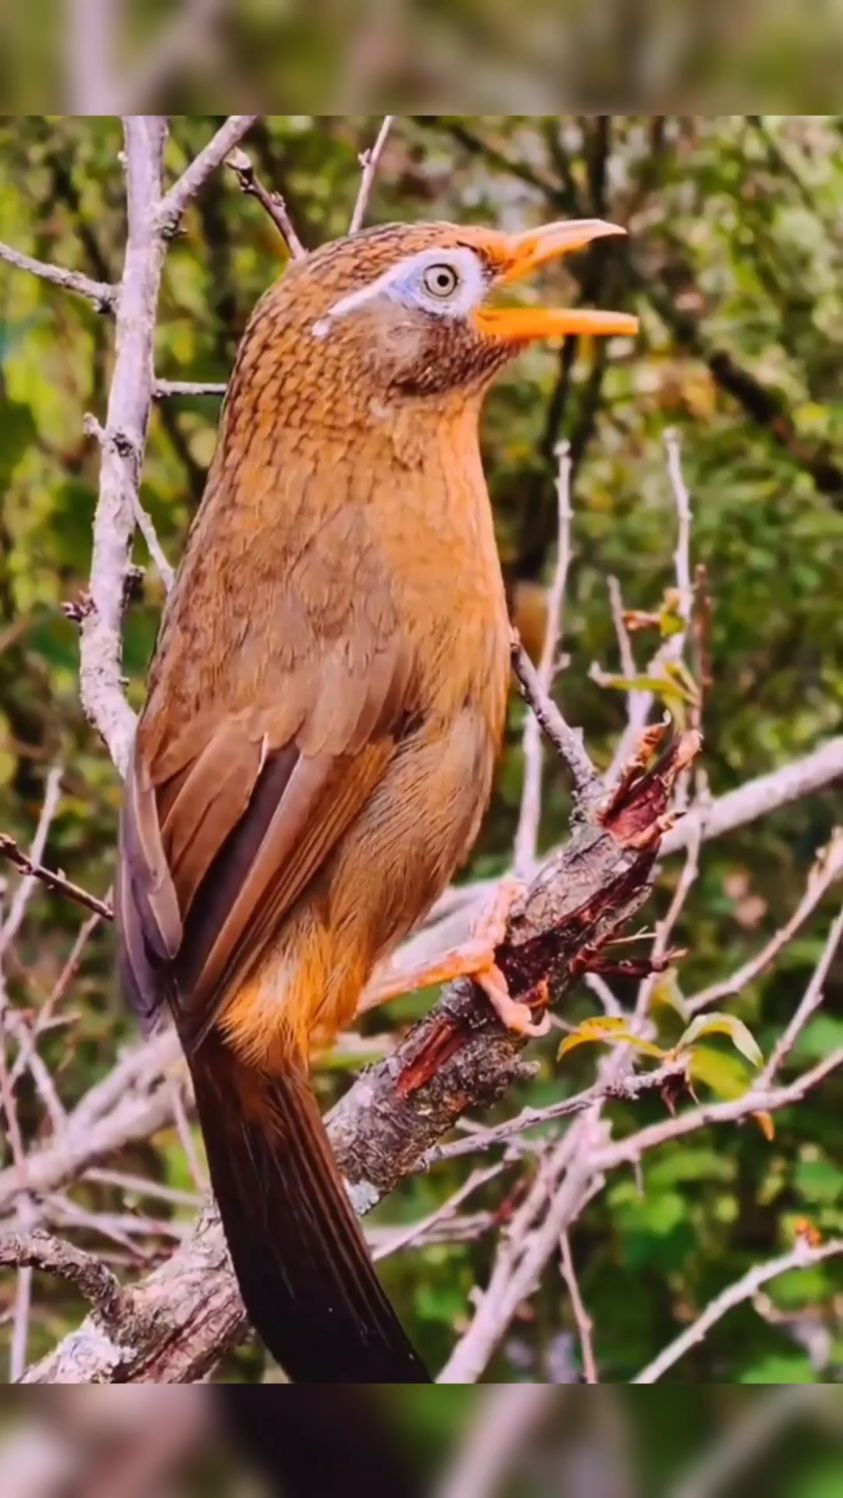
(440, 280)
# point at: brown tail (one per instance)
(300, 1258)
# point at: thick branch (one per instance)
(457, 1059)
(93, 1279)
(122, 454)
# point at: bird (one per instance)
(325, 707)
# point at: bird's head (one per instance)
(408, 309)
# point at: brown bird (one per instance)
(325, 708)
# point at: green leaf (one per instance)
(661, 686)
(667, 994)
(727, 1077)
(607, 1032)
(718, 1023)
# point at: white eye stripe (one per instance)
(405, 283)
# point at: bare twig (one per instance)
(755, 798)
(272, 202)
(827, 869)
(584, 1323)
(567, 741)
(369, 161)
(57, 882)
(162, 389)
(88, 1274)
(801, 1256)
(556, 1197)
(809, 1003)
(403, 1238)
(758, 1100)
(20, 1169)
(623, 1089)
(758, 797)
(665, 927)
(527, 833)
(142, 519)
(640, 702)
(103, 296)
(29, 866)
(167, 213)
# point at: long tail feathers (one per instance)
(301, 1261)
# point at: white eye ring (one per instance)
(440, 280)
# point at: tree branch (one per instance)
(802, 1256)
(93, 1279)
(167, 213)
(567, 741)
(57, 882)
(162, 389)
(527, 833)
(103, 296)
(369, 160)
(272, 202)
(456, 1059)
(127, 419)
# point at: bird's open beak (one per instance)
(525, 253)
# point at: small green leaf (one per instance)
(607, 1032)
(681, 677)
(725, 1074)
(667, 994)
(718, 1023)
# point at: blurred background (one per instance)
(733, 264)
(522, 1441)
(95, 56)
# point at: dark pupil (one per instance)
(443, 280)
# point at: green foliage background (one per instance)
(734, 266)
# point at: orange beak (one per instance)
(525, 253)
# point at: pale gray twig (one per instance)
(801, 1256)
(584, 1323)
(525, 851)
(167, 212)
(164, 388)
(369, 161)
(103, 296)
(827, 869)
(567, 741)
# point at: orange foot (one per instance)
(474, 959)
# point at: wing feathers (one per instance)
(228, 819)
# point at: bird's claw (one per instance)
(512, 1013)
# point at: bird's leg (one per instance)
(474, 959)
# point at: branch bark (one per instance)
(103, 296)
(127, 419)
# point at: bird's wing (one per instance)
(226, 823)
